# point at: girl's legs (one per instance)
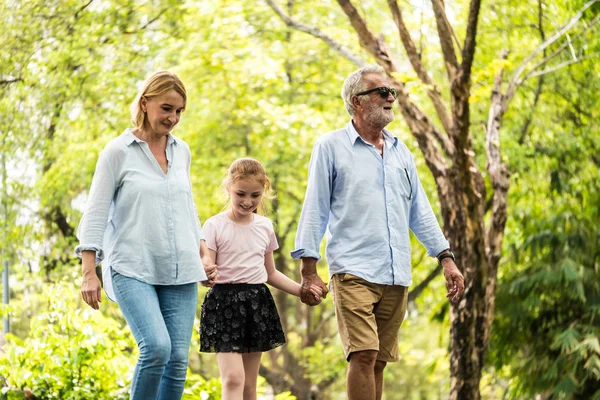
(231, 366)
(251, 367)
(178, 308)
(140, 306)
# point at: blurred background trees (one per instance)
(264, 87)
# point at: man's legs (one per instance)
(369, 317)
(379, 367)
(365, 376)
(360, 381)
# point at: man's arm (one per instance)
(313, 221)
(425, 226)
(309, 278)
(455, 282)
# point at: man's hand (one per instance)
(455, 282)
(306, 295)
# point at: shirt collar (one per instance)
(353, 136)
(130, 138)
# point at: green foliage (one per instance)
(69, 70)
(69, 353)
(548, 321)
(77, 353)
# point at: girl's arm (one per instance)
(279, 280)
(282, 282)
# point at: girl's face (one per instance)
(245, 196)
(163, 112)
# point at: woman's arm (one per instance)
(209, 258)
(91, 289)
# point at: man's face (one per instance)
(373, 108)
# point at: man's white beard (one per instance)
(379, 117)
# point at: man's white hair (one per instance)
(354, 84)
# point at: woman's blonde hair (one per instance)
(249, 168)
(159, 83)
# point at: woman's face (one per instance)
(162, 112)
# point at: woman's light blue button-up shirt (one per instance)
(140, 221)
(367, 203)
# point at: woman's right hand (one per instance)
(91, 290)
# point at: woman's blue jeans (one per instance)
(161, 319)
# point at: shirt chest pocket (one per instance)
(404, 184)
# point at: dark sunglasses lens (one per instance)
(384, 92)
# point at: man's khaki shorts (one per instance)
(369, 315)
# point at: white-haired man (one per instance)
(363, 189)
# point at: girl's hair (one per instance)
(249, 168)
(159, 83)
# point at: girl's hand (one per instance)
(91, 290)
(211, 271)
(317, 292)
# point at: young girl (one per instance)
(239, 319)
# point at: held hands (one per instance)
(312, 289)
(211, 272)
(455, 282)
(91, 290)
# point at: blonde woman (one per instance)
(141, 221)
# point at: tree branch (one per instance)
(540, 83)
(147, 24)
(288, 228)
(316, 332)
(562, 46)
(377, 47)
(344, 51)
(273, 378)
(432, 90)
(417, 290)
(468, 52)
(516, 79)
(445, 34)
(6, 82)
(82, 8)
(561, 65)
(497, 170)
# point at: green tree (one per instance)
(473, 203)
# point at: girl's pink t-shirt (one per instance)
(240, 249)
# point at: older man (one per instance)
(364, 190)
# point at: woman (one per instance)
(141, 221)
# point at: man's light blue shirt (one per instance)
(366, 203)
(140, 221)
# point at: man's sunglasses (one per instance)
(383, 92)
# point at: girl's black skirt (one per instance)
(239, 318)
